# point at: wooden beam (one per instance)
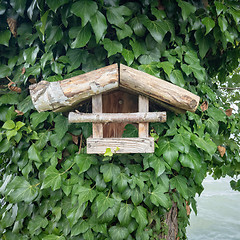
(125, 145)
(148, 85)
(97, 128)
(59, 96)
(143, 106)
(117, 117)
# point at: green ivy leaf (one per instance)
(140, 214)
(158, 197)
(137, 27)
(81, 227)
(74, 213)
(118, 233)
(103, 203)
(180, 183)
(223, 24)
(34, 154)
(4, 71)
(85, 194)
(130, 131)
(84, 161)
(48, 56)
(192, 159)
(19, 6)
(55, 4)
(157, 164)
(124, 32)
(207, 145)
(136, 196)
(167, 67)
(61, 126)
(115, 15)
(36, 223)
(168, 150)
(37, 118)
(151, 69)
(84, 9)
(76, 58)
(220, 7)
(54, 237)
(99, 25)
(57, 67)
(44, 21)
(52, 179)
(22, 190)
(82, 38)
(209, 23)
(176, 77)
(112, 47)
(157, 29)
(128, 56)
(9, 124)
(109, 171)
(138, 48)
(5, 37)
(187, 8)
(121, 181)
(124, 214)
(54, 35)
(30, 55)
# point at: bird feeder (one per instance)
(120, 95)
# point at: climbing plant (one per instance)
(50, 188)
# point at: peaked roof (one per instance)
(58, 96)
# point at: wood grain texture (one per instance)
(125, 145)
(156, 88)
(97, 128)
(59, 96)
(143, 106)
(138, 117)
(118, 102)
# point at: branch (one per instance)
(230, 88)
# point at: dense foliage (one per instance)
(48, 190)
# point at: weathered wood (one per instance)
(58, 96)
(143, 106)
(125, 145)
(117, 117)
(156, 88)
(97, 128)
(118, 102)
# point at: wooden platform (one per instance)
(125, 145)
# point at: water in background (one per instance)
(218, 212)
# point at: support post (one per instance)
(143, 106)
(97, 128)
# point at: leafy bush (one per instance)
(50, 191)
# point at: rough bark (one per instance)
(59, 96)
(156, 88)
(117, 117)
(172, 223)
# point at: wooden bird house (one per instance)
(120, 95)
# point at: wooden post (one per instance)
(97, 128)
(143, 106)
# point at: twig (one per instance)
(80, 145)
(230, 88)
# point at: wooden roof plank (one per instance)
(156, 88)
(58, 96)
